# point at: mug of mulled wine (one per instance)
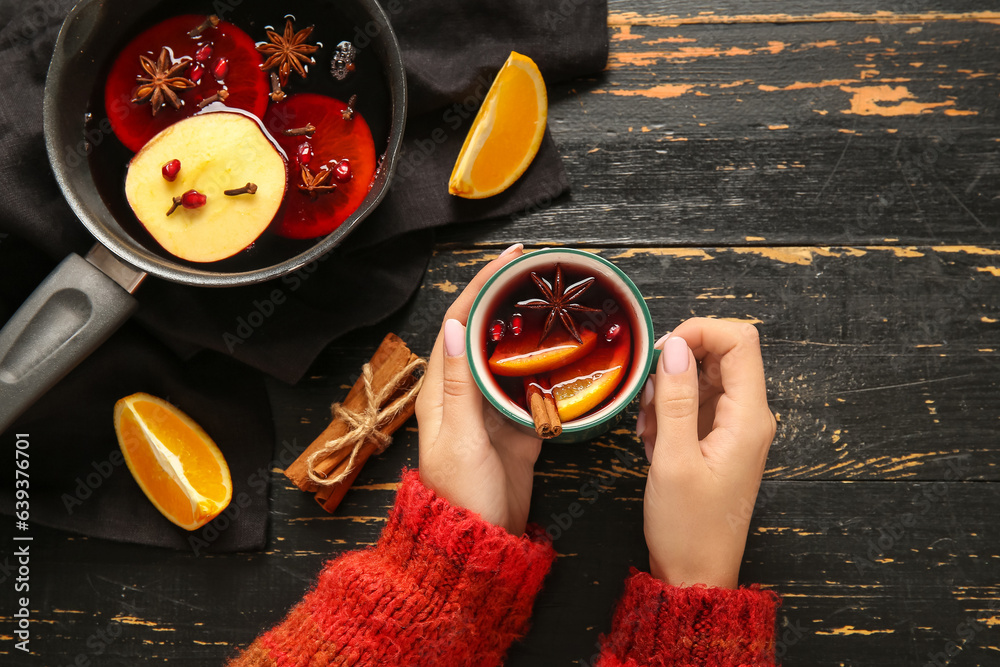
(561, 342)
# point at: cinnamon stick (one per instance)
(391, 357)
(544, 413)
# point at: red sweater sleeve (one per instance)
(658, 625)
(441, 587)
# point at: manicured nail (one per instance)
(647, 445)
(454, 338)
(659, 344)
(675, 355)
(647, 393)
(640, 424)
(511, 250)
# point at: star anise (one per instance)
(313, 183)
(559, 302)
(160, 86)
(287, 52)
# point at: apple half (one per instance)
(218, 151)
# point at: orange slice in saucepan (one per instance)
(505, 134)
(582, 386)
(176, 464)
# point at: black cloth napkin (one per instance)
(176, 345)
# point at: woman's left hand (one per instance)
(469, 454)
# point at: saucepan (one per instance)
(84, 300)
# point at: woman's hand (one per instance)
(469, 454)
(707, 435)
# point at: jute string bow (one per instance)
(367, 424)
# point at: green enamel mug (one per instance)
(544, 262)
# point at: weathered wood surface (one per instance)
(781, 123)
(864, 247)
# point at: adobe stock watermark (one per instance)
(258, 482)
(967, 630)
(418, 151)
(38, 18)
(87, 483)
(260, 310)
(98, 643)
(915, 169)
(894, 529)
(554, 18)
(590, 491)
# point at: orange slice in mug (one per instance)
(582, 386)
(176, 464)
(518, 356)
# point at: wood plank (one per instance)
(839, 133)
(882, 363)
(654, 12)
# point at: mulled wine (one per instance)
(344, 98)
(559, 336)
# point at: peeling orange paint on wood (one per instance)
(685, 253)
(132, 620)
(851, 630)
(616, 19)
(804, 85)
(909, 252)
(670, 40)
(660, 92)
(624, 33)
(968, 249)
(802, 255)
(871, 101)
(447, 287)
(646, 58)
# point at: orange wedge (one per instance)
(582, 386)
(506, 133)
(517, 356)
(176, 464)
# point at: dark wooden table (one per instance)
(826, 170)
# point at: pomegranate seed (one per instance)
(221, 68)
(613, 332)
(496, 331)
(516, 324)
(193, 199)
(304, 154)
(203, 54)
(170, 169)
(342, 172)
(195, 72)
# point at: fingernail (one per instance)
(640, 424)
(675, 355)
(647, 393)
(511, 250)
(659, 344)
(454, 338)
(647, 444)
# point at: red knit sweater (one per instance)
(444, 588)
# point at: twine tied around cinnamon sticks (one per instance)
(378, 404)
(367, 424)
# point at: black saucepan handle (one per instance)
(75, 309)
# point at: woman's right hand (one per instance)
(707, 435)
